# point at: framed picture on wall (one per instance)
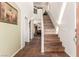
(35, 10)
(8, 13)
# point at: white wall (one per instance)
(13, 37)
(37, 17)
(67, 30)
(67, 25)
(32, 29)
(54, 9)
(26, 10)
(10, 39)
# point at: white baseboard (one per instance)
(16, 52)
(67, 53)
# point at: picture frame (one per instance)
(8, 14)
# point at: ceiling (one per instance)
(40, 4)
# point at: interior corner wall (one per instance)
(67, 30)
(54, 9)
(10, 36)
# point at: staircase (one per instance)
(52, 41)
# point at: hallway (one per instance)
(52, 44)
(57, 29)
(33, 49)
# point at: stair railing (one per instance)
(42, 31)
(40, 18)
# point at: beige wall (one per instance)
(10, 37)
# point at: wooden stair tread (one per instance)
(51, 35)
(55, 44)
(54, 49)
(57, 47)
(47, 22)
(50, 27)
(52, 40)
(51, 32)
